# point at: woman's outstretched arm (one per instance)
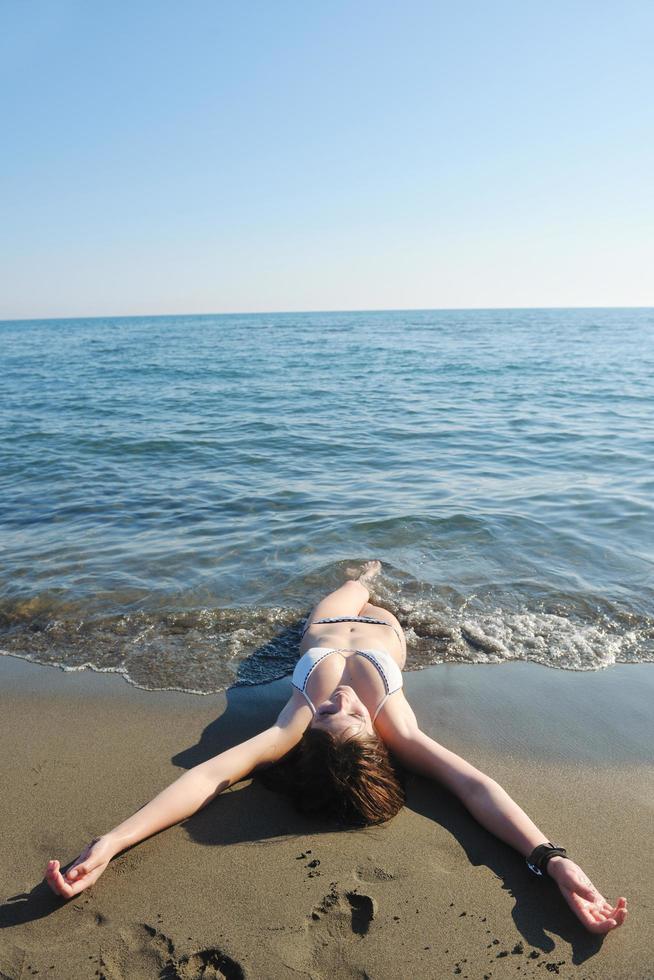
(494, 809)
(192, 791)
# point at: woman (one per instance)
(333, 738)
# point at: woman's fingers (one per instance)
(76, 871)
(598, 916)
(621, 911)
(52, 870)
(58, 883)
(616, 914)
(604, 921)
(593, 921)
(605, 926)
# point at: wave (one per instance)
(206, 650)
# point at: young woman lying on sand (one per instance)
(332, 742)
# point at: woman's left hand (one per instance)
(590, 907)
(84, 871)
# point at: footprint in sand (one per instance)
(337, 924)
(147, 944)
(345, 912)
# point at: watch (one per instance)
(537, 860)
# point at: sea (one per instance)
(176, 492)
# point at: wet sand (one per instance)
(247, 888)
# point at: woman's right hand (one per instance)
(83, 872)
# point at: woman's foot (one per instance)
(371, 570)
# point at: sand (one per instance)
(247, 888)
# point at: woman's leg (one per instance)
(349, 599)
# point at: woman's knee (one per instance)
(371, 610)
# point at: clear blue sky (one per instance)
(213, 156)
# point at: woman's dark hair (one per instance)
(354, 781)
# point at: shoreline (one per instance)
(234, 889)
(547, 695)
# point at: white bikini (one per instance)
(383, 663)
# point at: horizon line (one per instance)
(403, 309)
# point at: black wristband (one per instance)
(537, 860)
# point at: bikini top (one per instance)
(383, 663)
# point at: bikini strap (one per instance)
(308, 700)
(350, 619)
(380, 706)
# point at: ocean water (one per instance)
(176, 492)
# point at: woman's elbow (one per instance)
(477, 786)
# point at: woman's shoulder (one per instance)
(296, 713)
(396, 721)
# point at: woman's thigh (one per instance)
(345, 601)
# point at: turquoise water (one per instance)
(175, 492)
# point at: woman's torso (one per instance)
(346, 667)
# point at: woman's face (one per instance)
(344, 715)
